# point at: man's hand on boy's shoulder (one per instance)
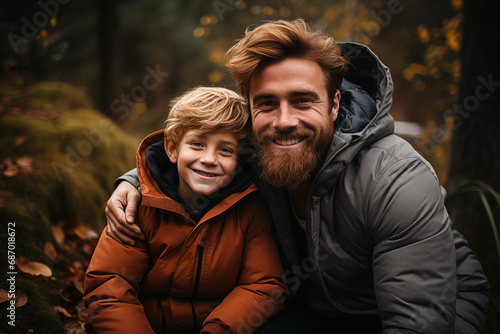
(120, 211)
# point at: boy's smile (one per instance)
(206, 162)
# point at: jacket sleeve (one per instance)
(261, 289)
(414, 263)
(131, 177)
(111, 287)
(472, 290)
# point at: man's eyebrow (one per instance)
(262, 96)
(304, 92)
(294, 93)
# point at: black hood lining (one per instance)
(166, 176)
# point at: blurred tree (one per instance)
(110, 55)
(476, 136)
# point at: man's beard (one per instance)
(289, 168)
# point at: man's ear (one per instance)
(171, 150)
(336, 105)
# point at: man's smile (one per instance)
(287, 142)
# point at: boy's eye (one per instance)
(196, 144)
(226, 151)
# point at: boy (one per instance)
(208, 262)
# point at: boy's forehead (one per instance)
(219, 134)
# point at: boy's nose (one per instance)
(209, 158)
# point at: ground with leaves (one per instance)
(58, 161)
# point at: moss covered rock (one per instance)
(59, 158)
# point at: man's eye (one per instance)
(304, 101)
(266, 104)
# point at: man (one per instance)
(358, 214)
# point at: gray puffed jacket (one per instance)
(379, 239)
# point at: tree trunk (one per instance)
(110, 58)
(475, 151)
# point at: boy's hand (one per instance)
(120, 214)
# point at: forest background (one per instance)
(82, 82)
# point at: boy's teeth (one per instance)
(204, 174)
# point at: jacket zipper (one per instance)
(201, 247)
(198, 270)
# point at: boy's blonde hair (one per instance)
(207, 109)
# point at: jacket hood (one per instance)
(366, 97)
(159, 180)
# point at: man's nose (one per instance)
(285, 118)
(209, 157)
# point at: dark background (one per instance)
(81, 82)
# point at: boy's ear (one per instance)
(171, 151)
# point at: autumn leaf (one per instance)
(13, 166)
(50, 251)
(62, 310)
(21, 298)
(85, 233)
(79, 285)
(24, 163)
(32, 267)
(82, 313)
(58, 234)
(4, 296)
(73, 327)
(11, 170)
(19, 140)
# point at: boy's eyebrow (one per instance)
(227, 142)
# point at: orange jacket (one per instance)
(222, 274)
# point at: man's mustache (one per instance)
(267, 136)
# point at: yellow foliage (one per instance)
(423, 33)
(215, 76)
(457, 4)
(240, 4)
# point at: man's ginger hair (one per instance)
(207, 109)
(277, 40)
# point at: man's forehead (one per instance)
(288, 71)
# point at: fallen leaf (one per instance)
(84, 232)
(21, 298)
(62, 310)
(4, 296)
(25, 163)
(12, 170)
(50, 251)
(32, 267)
(19, 140)
(82, 313)
(73, 327)
(78, 285)
(70, 294)
(58, 234)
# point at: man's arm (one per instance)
(472, 290)
(121, 209)
(414, 263)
